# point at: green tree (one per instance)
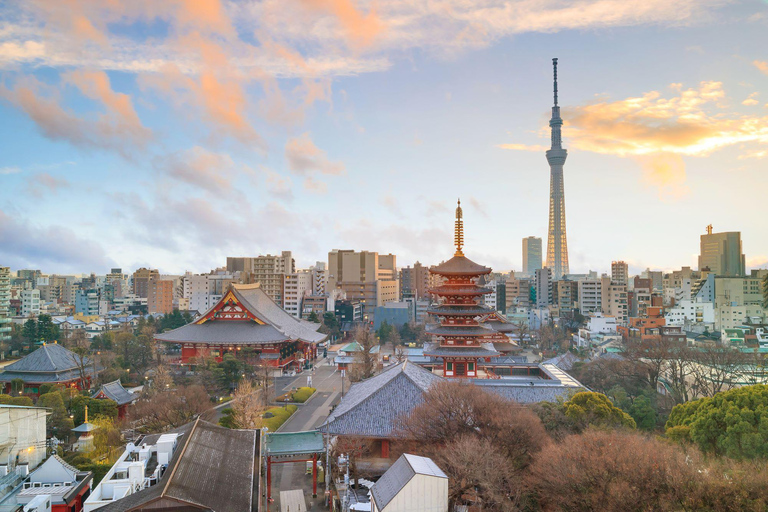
(384, 332)
(231, 371)
(314, 318)
(30, 330)
(59, 423)
(96, 408)
(331, 323)
(46, 329)
(172, 320)
(588, 408)
(732, 423)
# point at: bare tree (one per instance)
(366, 359)
(395, 340)
(247, 406)
(171, 408)
(717, 369)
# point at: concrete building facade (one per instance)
(365, 276)
(722, 253)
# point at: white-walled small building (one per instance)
(412, 484)
(22, 435)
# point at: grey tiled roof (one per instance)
(564, 361)
(213, 469)
(115, 391)
(483, 350)
(398, 476)
(49, 363)
(50, 357)
(525, 393)
(231, 332)
(279, 325)
(371, 408)
(459, 266)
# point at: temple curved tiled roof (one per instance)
(460, 266)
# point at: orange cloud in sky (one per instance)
(659, 130)
(761, 65)
(360, 29)
(306, 159)
(96, 85)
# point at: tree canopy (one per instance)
(733, 423)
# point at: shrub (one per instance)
(301, 395)
(280, 416)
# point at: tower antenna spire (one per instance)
(554, 67)
(459, 235)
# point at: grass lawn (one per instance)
(281, 415)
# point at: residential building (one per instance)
(543, 287)
(56, 483)
(319, 278)
(268, 271)
(721, 253)
(414, 281)
(613, 298)
(566, 294)
(141, 279)
(22, 435)
(30, 302)
(317, 304)
(531, 255)
(296, 287)
(640, 297)
(195, 288)
(518, 292)
(689, 313)
(87, 302)
(619, 272)
(5, 304)
(160, 296)
(365, 276)
(739, 290)
(590, 296)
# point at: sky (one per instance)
(173, 134)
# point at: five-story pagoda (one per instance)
(460, 341)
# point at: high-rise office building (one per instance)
(141, 280)
(722, 253)
(531, 255)
(557, 243)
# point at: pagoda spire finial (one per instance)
(86, 414)
(459, 235)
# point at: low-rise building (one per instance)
(22, 436)
(412, 483)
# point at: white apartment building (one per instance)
(30, 303)
(590, 296)
(297, 285)
(196, 289)
(689, 313)
(139, 467)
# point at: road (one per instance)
(309, 416)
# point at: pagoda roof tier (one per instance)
(463, 289)
(245, 315)
(459, 310)
(460, 266)
(459, 330)
(484, 350)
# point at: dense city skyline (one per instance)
(172, 137)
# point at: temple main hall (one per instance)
(247, 318)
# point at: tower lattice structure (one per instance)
(557, 243)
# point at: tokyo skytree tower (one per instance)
(557, 243)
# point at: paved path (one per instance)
(309, 416)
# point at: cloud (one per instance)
(762, 65)
(16, 52)
(9, 170)
(361, 30)
(478, 207)
(666, 172)
(57, 248)
(751, 100)
(199, 168)
(42, 183)
(695, 122)
(277, 185)
(110, 130)
(306, 159)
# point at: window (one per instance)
(471, 367)
(449, 366)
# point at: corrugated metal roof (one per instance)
(213, 468)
